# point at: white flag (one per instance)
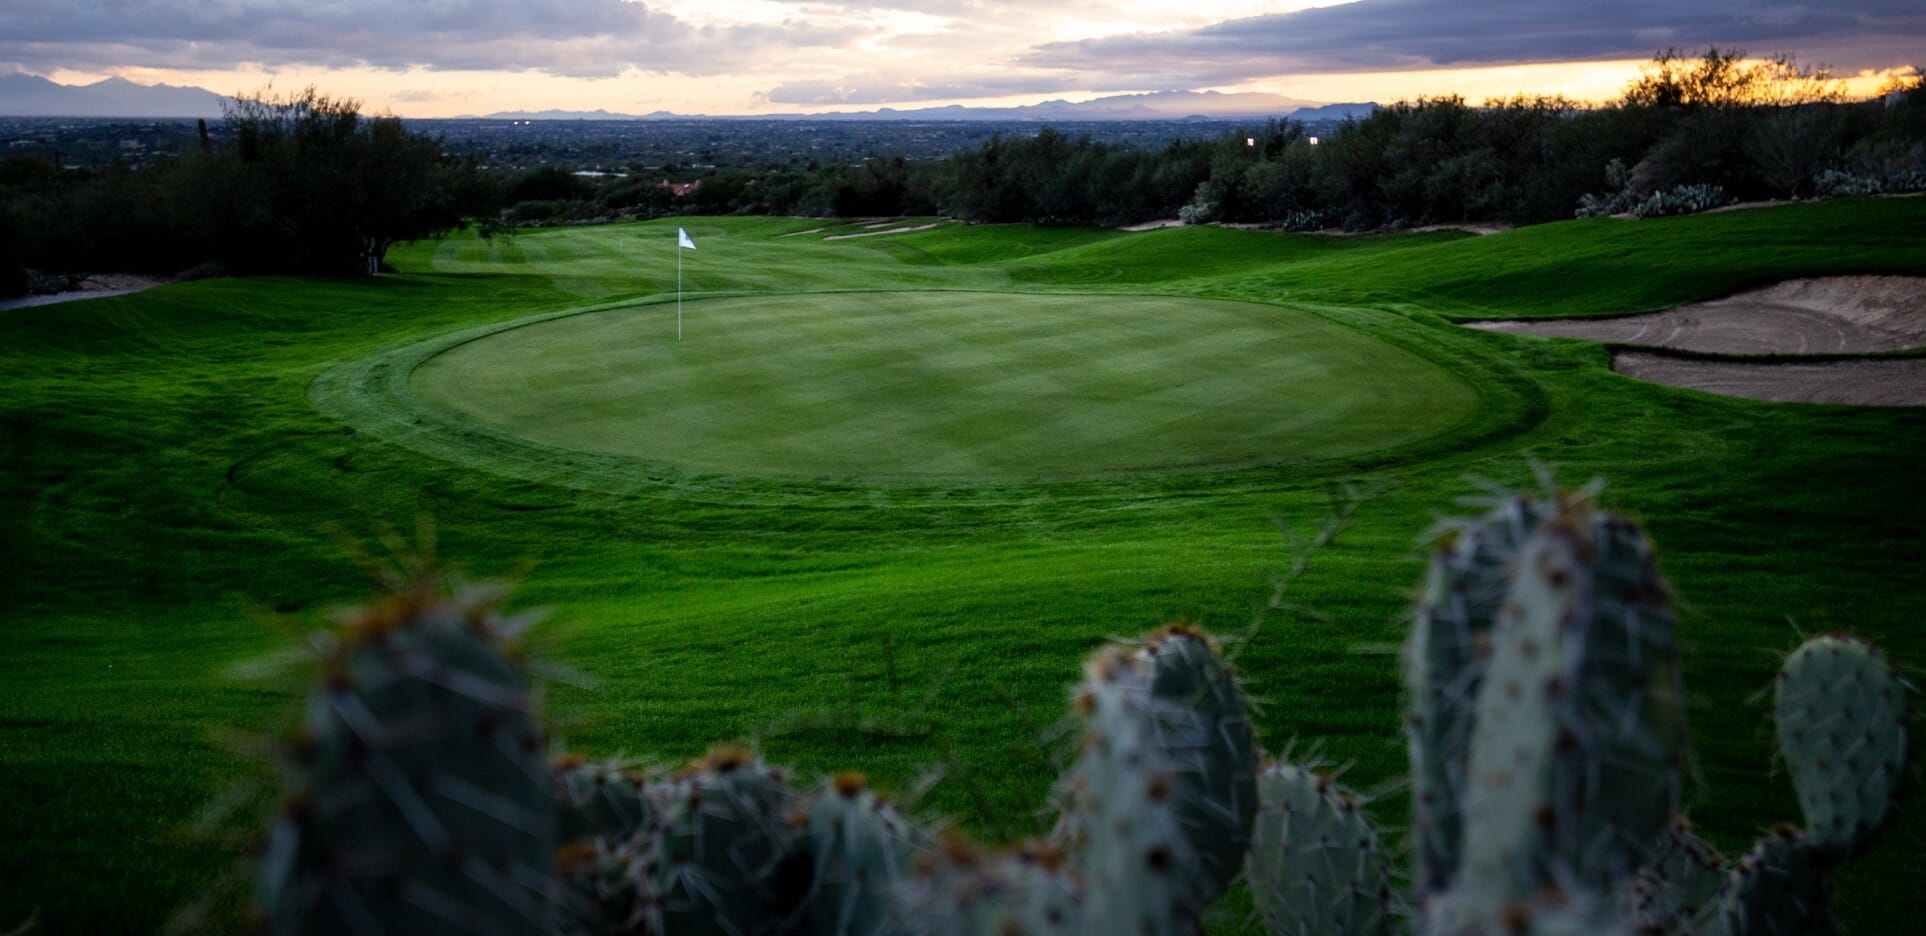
(682, 239)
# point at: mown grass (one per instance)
(175, 505)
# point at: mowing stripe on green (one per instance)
(948, 385)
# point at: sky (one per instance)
(440, 58)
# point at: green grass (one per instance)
(180, 497)
(954, 386)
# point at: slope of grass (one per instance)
(176, 505)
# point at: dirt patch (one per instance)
(1152, 226)
(1836, 315)
(1864, 382)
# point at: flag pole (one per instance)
(678, 287)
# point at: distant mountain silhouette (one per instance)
(597, 114)
(33, 96)
(1157, 105)
(1336, 111)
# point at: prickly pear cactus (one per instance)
(1552, 912)
(861, 853)
(610, 838)
(1679, 891)
(1315, 865)
(1580, 732)
(419, 801)
(1778, 889)
(961, 891)
(1444, 664)
(609, 889)
(1841, 715)
(1158, 807)
(598, 800)
(728, 864)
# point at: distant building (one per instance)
(679, 189)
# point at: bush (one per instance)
(1683, 200)
(1833, 183)
(1199, 210)
(1304, 221)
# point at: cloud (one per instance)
(578, 38)
(1388, 35)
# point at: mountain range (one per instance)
(33, 96)
(1156, 105)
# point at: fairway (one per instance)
(911, 386)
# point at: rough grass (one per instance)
(175, 504)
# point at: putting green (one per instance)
(947, 386)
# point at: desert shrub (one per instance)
(1305, 221)
(1619, 196)
(1683, 200)
(1199, 210)
(1831, 183)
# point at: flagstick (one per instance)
(678, 290)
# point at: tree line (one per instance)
(306, 184)
(302, 183)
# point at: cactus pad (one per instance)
(961, 891)
(1580, 732)
(1315, 865)
(419, 799)
(860, 850)
(1444, 664)
(610, 840)
(1778, 889)
(1842, 725)
(728, 863)
(1158, 807)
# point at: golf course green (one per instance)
(955, 386)
(883, 497)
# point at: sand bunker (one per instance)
(900, 230)
(1863, 382)
(1837, 315)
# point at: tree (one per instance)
(308, 185)
(1724, 78)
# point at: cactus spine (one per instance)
(419, 800)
